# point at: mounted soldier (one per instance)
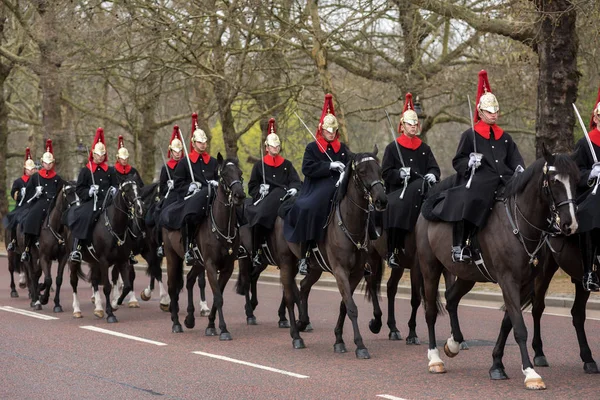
(17, 192)
(588, 199)
(486, 158)
(126, 172)
(196, 176)
(95, 181)
(273, 180)
(408, 168)
(324, 161)
(40, 191)
(167, 184)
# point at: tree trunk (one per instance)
(559, 77)
(4, 71)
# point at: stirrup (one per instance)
(160, 251)
(11, 246)
(132, 260)
(257, 261)
(461, 254)
(393, 262)
(75, 256)
(590, 282)
(25, 256)
(303, 266)
(189, 257)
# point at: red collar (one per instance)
(25, 178)
(483, 130)
(102, 165)
(595, 136)
(409, 143)
(48, 174)
(123, 170)
(273, 161)
(172, 163)
(335, 144)
(194, 156)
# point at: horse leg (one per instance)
(339, 346)
(35, 272)
(578, 314)
(510, 292)
(165, 300)
(497, 369)
(453, 296)
(146, 294)
(305, 285)
(117, 284)
(217, 285)
(347, 285)
(46, 267)
(75, 270)
(204, 310)
(174, 284)
(132, 301)
(392, 290)
(291, 296)
(190, 319)
(416, 287)
(431, 270)
(128, 275)
(98, 311)
(283, 321)
(11, 270)
(542, 282)
(372, 282)
(224, 276)
(110, 317)
(62, 261)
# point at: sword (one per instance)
(262, 162)
(168, 173)
(189, 163)
(404, 168)
(589, 142)
(479, 156)
(93, 180)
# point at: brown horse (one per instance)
(14, 265)
(514, 233)
(112, 245)
(343, 249)
(217, 241)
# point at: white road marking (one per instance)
(122, 335)
(233, 360)
(387, 396)
(27, 313)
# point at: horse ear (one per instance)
(548, 156)
(375, 149)
(220, 158)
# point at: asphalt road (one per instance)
(60, 357)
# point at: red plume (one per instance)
(194, 127)
(482, 87)
(121, 142)
(49, 146)
(271, 127)
(592, 124)
(99, 138)
(408, 105)
(27, 157)
(174, 135)
(327, 109)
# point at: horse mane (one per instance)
(343, 187)
(147, 191)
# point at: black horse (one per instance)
(217, 241)
(111, 247)
(343, 249)
(515, 231)
(14, 265)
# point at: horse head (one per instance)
(366, 173)
(560, 176)
(130, 194)
(69, 196)
(230, 179)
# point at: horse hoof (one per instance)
(210, 332)
(143, 295)
(298, 343)
(99, 314)
(464, 346)
(375, 326)
(251, 321)
(284, 324)
(413, 340)
(395, 335)
(112, 319)
(204, 313)
(540, 361)
(339, 348)
(362, 354)
(165, 307)
(498, 374)
(31, 304)
(14, 294)
(590, 368)
(133, 304)
(177, 328)
(77, 315)
(535, 384)
(448, 352)
(37, 307)
(309, 328)
(57, 309)
(189, 322)
(22, 285)
(225, 336)
(437, 368)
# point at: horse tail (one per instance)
(80, 273)
(441, 309)
(374, 287)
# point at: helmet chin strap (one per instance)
(485, 118)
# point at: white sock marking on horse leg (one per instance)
(566, 181)
(76, 306)
(97, 301)
(453, 345)
(433, 355)
(114, 295)
(530, 374)
(148, 292)
(131, 297)
(22, 277)
(164, 295)
(204, 306)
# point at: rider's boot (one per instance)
(303, 262)
(75, 255)
(460, 252)
(189, 254)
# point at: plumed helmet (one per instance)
(29, 163)
(409, 116)
(272, 138)
(122, 152)
(330, 123)
(48, 156)
(98, 147)
(175, 144)
(199, 136)
(328, 120)
(596, 110)
(485, 101)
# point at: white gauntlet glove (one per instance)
(213, 183)
(519, 169)
(595, 172)
(292, 191)
(475, 160)
(23, 190)
(170, 184)
(404, 173)
(93, 190)
(193, 187)
(264, 189)
(430, 178)
(38, 191)
(112, 191)
(338, 166)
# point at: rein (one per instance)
(130, 212)
(58, 236)
(229, 237)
